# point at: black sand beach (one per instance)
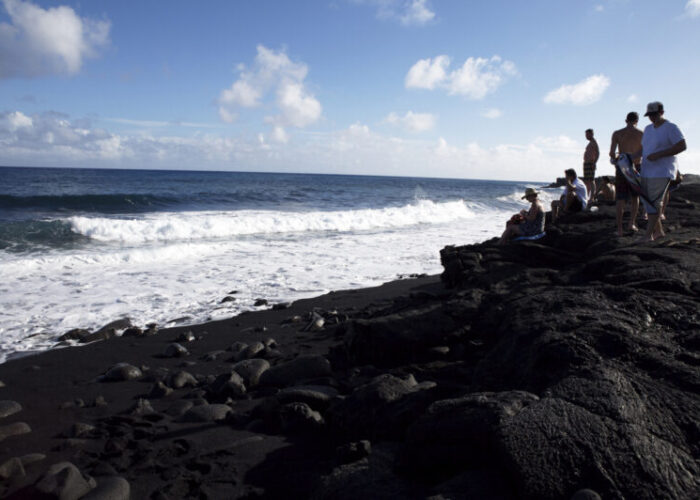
(568, 367)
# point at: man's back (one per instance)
(628, 140)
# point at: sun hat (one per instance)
(530, 191)
(654, 107)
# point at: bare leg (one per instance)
(620, 206)
(667, 197)
(634, 208)
(654, 228)
(509, 233)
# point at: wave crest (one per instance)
(176, 226)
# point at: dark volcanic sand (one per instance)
(534, 370)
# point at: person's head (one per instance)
(589, 134)
(655, 111)
(530, 194)
(632, 118)
(570, 174)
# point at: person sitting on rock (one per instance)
(575, 196)
(606, 191)
(526, 222)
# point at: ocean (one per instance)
(82, 247)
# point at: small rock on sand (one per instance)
(12, 468)
(14, 429)
(64, 480)
(110, 488)
(206, 413)
(175, 350)
(251, 370)
(121, 372)
(182, 379)
(8, 408)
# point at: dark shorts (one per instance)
(588, 171)
(623, 191)
(576, 205)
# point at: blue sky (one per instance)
(497, 90)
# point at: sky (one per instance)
(432, 88)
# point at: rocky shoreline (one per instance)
(563, 368)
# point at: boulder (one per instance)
(299, 369)
(381, 409)
(251, 370)
(121, 372)
(206, 413)
(228, 385)
(110, 488)
(65, 481)
(8, 408)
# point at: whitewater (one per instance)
(82, 266)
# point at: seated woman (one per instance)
(529, 223)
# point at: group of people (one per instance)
(653, 153)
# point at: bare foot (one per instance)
(634, 228)
(663, 217)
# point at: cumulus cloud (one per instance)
(428, 73)
(492, 113)
(39, 42)
(475, 79)
(692, 8)
(407, 12)
(413, 122)
(272, 79)
(585, 92)
(632, 98)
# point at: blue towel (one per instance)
(530, 238)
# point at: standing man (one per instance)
(590, 158)
(626, 140)
(661, 142)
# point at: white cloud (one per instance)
(407, 12)
(15, 121)
(280, 135)
(492, 113)
(40, 42)
(632, 98)
(599, 8)
(298, 107)
(272, 74)
(692, 8)
(416, 12)
(475, 79)
(427, 73)
(413, 122)
(585, 92)
(53, 139)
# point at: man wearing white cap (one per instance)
(661, 142)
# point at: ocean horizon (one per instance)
(82, 247)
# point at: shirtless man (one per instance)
(626, 140)
(590, 158)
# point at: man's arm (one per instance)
(613, 146)
(678, 147)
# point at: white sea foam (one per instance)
(167, 266)
(176, 226)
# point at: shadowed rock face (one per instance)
(573, 363)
